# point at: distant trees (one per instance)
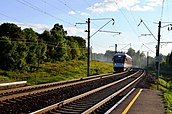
(139, 58)
(169, 59)
(19, 48)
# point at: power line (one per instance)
(126, 19)
(9, 17)
(64, 12)
(149, 48)
(141, 21)
(51, 5)
(26, 3)
(62, 2)
(28, 41)
(162, 9)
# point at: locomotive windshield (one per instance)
(119, 59)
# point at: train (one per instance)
(121, 62)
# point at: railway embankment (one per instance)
(163, 86)
(55, 72)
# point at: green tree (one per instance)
(82, 46)
(58, 34)
(12, 54)
(170, 59)
(11, 30)
(32, 45)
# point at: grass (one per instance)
(166, 87)
(168, 100)
(59, 71)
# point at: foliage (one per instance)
(58, 71)
(170, 60)
(21, 48)
(165, 85)
(168, 100)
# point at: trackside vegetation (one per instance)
(58, 71)
(165, 83)
(44, 57)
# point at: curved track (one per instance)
(93, 100)
(29, 99)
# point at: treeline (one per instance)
(21, 48)
(139, 58)
(168, 60)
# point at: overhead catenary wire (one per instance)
(162, 10)
(27, 41)
(59, 9)
(133, 17)
(62, 2)
(78, 28)
(126, 19)
(141, 21)
(148, 48)
(10, 17)
(28, 4)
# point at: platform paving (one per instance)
(148, 102)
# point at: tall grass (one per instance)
(52, 72)
(166, 87)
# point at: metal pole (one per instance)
(157, 53)
(147, 60)
(115, 48)
(88, 51)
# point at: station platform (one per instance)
(142, 101)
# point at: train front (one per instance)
(118, 62)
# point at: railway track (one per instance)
(41, 86)
(29, 99)
(94, 101)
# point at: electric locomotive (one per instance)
(121, 62)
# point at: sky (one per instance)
(72, 14)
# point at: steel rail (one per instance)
(50, 84)
(80, 81)
(119, 102)
(110, 97)
(46, 109)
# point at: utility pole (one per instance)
(115, 48)
(147, 59)
(88, 50)
(158, 45)
(157, 53)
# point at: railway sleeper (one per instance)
(71, 110)
(75, 107)
(63, 111)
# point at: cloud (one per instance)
(73, 30)
(154, 2)
(36, 27)
(114, 5)
(84, 14)
(71, 13)
(78, 12)
(139, 8)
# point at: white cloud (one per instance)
(114, 5)
(154, 2)
(36, 27)
(84, 13)
(78, 12)
(72, 13)
(73, 30)
(139, 8)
